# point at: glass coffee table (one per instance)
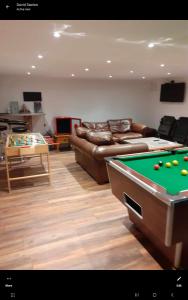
(154, 143)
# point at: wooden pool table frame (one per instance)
(164, 217)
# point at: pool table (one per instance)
(157, 200)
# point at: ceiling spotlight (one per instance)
(168, 73)
(151, 45)
(108, 61)
(143, 77)
(86, 69)
(40, 56)
(110, 76)
(28, 73)
(162, 65)
(33, 67)
(131, 71)
(56, 34)
(72, 75)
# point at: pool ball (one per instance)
(184, 172)
(175, 162)
(156, 167)
(168, 165)
(185, 158)
(160, 163)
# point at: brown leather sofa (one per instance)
(94, 141)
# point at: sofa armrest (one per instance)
(119, 149)
(82, 144)
(149, 132)
(143, 129)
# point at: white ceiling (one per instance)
(123, 42)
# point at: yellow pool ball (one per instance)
(168, 165)
(175, 162)
(184, 172)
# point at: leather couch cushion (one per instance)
(81, 131)
(100, 138)
(127, 135)
(99, 126)
(115, 139)
(89, 125)
(121, 125)
(102, 126)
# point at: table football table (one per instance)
(25, 145)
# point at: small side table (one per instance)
(51, 142)
(62, 139)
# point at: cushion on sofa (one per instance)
(89, 125)
(115, 139)
(81, 131)
(99, 126)
(127, 136)
(102, 126)
(100, 137)
(120, 125)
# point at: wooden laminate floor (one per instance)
(72, 224)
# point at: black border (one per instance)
(65, 284)
(93, 10)
(92, 284)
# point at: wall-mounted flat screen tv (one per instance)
(32, 96)
(172, 92)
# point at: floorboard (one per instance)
(72, 224)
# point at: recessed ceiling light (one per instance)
(162, 65)
(168, 73)
(40, 56)
(73, 75)
(33, 67)
(28, 73)
(131, 71)
(151, 45)
(110, 76)
(143, 77)
(108, 61)
(56, 34)
(86, 69)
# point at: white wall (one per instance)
(159, 109)
(91, 100)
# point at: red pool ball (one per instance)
(156, 167)
(186, 158)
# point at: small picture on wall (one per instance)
(37, 107)
(14, 107)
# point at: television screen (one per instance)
(172, 92)
(63, 125)
(32, 96)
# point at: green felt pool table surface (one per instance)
(169, 178)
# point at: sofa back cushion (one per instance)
(81, 131)
(99, 126)
(89, 125)
(120, 125)
(102, 126)
(100, 137)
